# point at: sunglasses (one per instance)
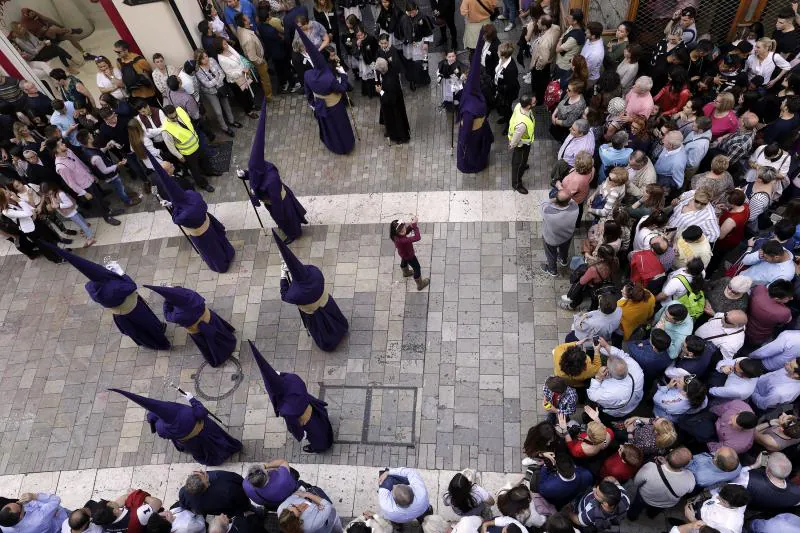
(701, 204)
(688, 378)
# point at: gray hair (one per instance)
(617, 367)
(779, 465)
(619, 139)
(673, 140)
(638, 156)
(194, 484)
(381, 65)
(582, 125)
(644, 83)
(767, 174)
(403, 495)
(257, 476)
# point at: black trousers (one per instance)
(414, 264)
(450, 21)
(52, 51)
(539, 81)
(519, 158)
(243, 97)
(198, 165)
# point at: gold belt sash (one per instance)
(310, 308)
(196, 232)
(127, 305)
(206, 317)
(306, 416)
(283, 196)
(477, 123)
(198, 427)
(329, 99)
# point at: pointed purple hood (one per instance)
(298, 270)
(265, 180)
(167, 411)
(307, 284)
(272, 380)
(188, 207)
(472, 99)
(181, 306)
(105, 287)
(314, 54)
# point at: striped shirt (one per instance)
(705, 218)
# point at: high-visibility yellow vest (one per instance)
(517, 117)
(186, 140)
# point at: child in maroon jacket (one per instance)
(404, 236)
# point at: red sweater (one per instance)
(405, 243)
(670, 102)
(615, 466)
(575, 448)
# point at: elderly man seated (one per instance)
(642, 173)
(402, 496)
(671, 163)
(769, 486)
(721, 467)
(618, 387)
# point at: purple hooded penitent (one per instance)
(326, 324)
(265, 180)
(209, 445)
(335, 130)
(190, 210)
(184, 307)
(290, 399)
(111, 290)
(474, 145)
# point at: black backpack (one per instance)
(133, 79)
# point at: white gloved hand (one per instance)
(166, 203)
(284, 270)
(240, 173)
(340, 69)
(188, 395)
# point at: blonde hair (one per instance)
(769, 43)
(620, 174)
(701, 195)
(665, 433)
(727, 101)
(506, 49)
(596, 432)
(198, 55)
(584, 162)
(720, 164)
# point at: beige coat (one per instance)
(251, 45)
(544, 51)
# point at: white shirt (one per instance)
(594, 52)
(189, 85)
(723, 518)
(104, 83)
(231, 65)
(187, 522)
(498, 71)
(503, 521)
(729, 340)
(735, 388)
(674, 287)
(618, 397)
(22, 215)
(66, 204)
(756, 67)
(153, 133)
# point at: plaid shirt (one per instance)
(567, 402)
(738, 145)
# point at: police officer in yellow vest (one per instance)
(186, 143)
(520, 137)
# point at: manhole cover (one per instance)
(218, 383)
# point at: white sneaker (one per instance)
(509, 26)
(565, 298)
(501, 17)
(531, 462)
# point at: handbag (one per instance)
(552, 94)
(598, 201)
(493, 14)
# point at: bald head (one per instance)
(749, 120)
(736, 318)
(673, 140)
(403, 495)
(726, 459)
(679, 458)
(779, 465)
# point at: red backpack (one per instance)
(645, 266)
(552, 94)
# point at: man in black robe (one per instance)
(393, 107)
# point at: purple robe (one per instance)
(335, 130)
(211, 447)
(214, 247)
(215, 338)
(327, 325)
(141, 324)
(283, 206)
(292, 404)
(472, 151)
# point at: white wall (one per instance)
(156, 29)
(71, 13)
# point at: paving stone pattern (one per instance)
(455, 370)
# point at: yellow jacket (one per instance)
(575, 381)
